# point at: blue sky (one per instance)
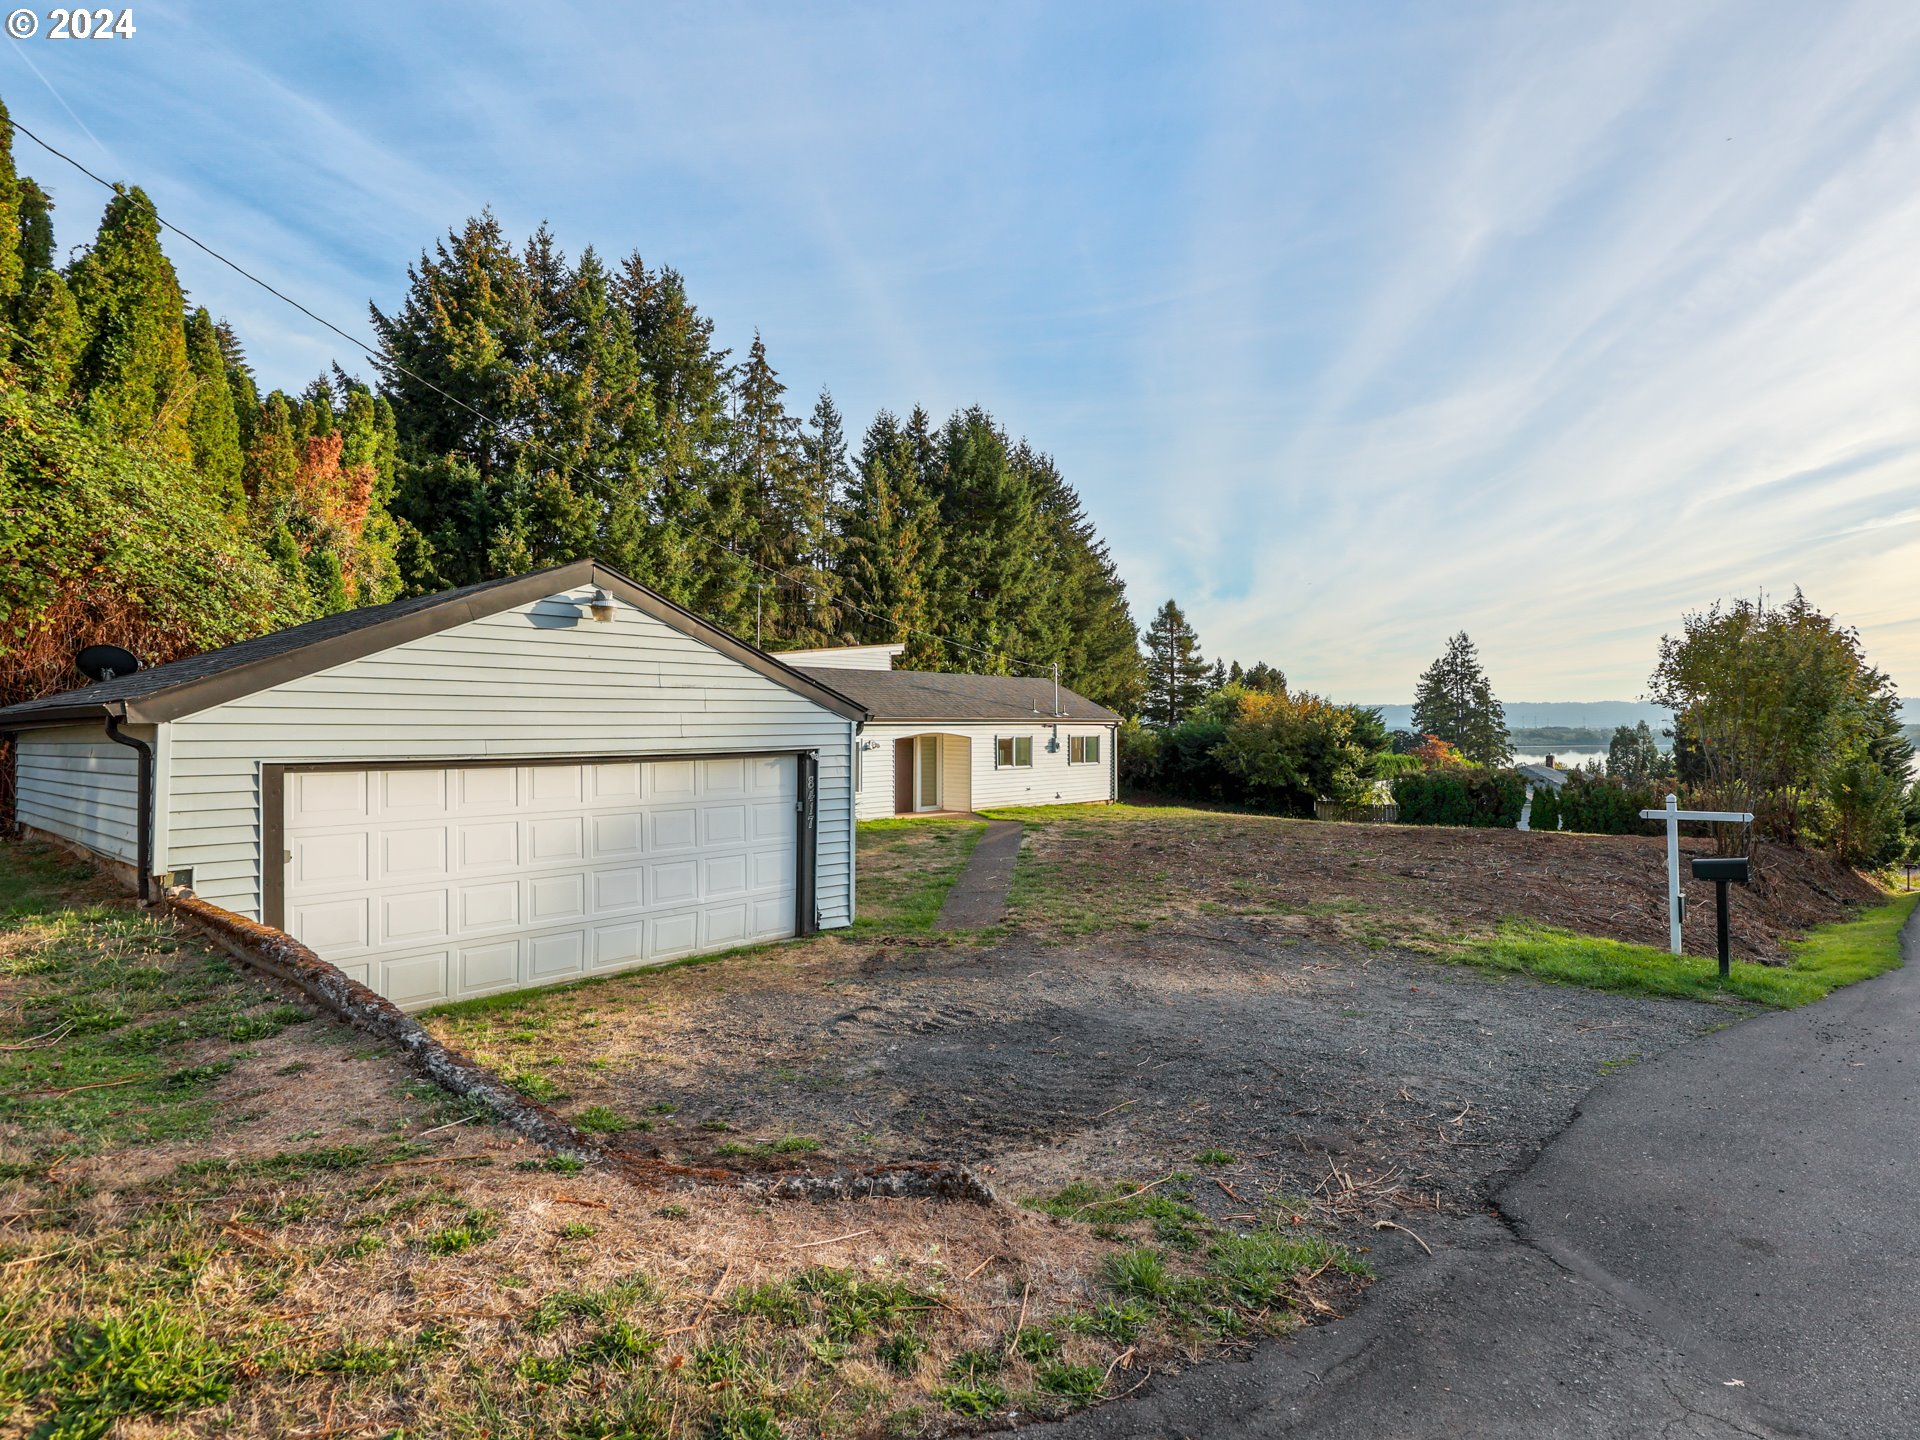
(1354, 325)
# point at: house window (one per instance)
(1083, 749)
(1015, 751)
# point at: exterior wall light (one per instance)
(600, 605)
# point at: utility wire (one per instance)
(386, 361)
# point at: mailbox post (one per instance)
(1723, 873)
(1673, 815)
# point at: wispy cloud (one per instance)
(1355, 325)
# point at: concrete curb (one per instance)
(276, 954)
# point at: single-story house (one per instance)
(512, 784)
(941, 742)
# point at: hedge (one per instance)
(1484, 799)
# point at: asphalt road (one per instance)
(1725, 1242)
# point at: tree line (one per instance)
(528, 408)
(1776, 711)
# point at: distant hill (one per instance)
(1568, 714)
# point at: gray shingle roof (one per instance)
(214, 676)
(931, 695)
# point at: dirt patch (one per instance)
(1126, 1058)
(1388, 884)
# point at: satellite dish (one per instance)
(105, 662)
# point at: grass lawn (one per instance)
(1827, 958)
(907, 866)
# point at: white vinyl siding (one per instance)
(76, 783)
(1050, 780)
(538, 680)
(956, 772)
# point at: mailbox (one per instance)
(1722, 872)
(1712, 867)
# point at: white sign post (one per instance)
(1673, 815)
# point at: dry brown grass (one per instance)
(286, 1234)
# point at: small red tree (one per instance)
(1437, 754)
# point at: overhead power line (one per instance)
(383, 359)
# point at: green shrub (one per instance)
(1546, 809)
(1598, 805)
(1457, 795)
(1431, 797)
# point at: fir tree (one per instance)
(761, 508)
(688, 382)
(1176, 671)
(989, 581)
(50, 337)
(36, 231)
(133, 367)
(825, 479)
(558, 468)
(1455, 701)
(213, 429)
(1081, 619)
(892, 543)
(12, 237)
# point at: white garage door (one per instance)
(431, 885)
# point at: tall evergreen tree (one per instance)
(760, 510)
(36, 231)
(1176, 671)
(1455, 701)
(542, 348)
(12, 238)
(213, 429)
(989, 582)
(240, 381)
(825, 481)
(892, 543)
(133, 367)
(688, 382)
(50, 336)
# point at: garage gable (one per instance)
(184, 687)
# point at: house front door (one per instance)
(927, 772)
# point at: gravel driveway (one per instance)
(1412, 1084)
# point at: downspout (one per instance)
(143, 803)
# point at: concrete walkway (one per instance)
(1725, 1242)
(979, 897)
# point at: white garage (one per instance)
(510, 785)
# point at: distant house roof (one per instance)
(930, 695)
(1541, 775)
(199, 682)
